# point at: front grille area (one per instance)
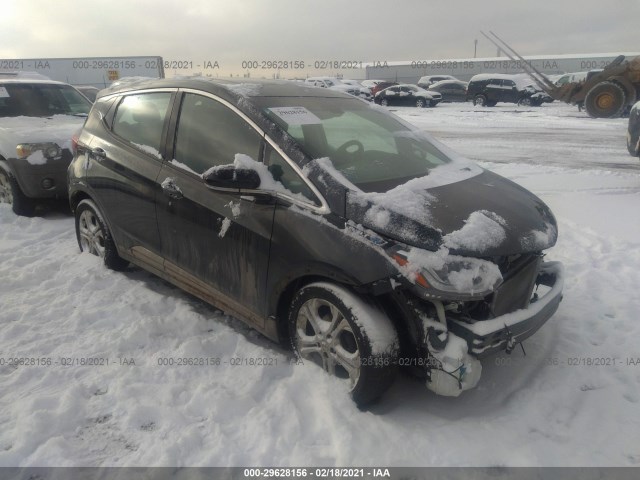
(515, 292)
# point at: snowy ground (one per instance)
(558, 406)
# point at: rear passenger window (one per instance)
(140, 120)
(210, 134)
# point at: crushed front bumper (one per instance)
(505, 331)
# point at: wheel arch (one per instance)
(394, 305)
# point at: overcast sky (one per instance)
(230, 31)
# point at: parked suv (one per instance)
(407, 95)
(321, 221)
(37, 120)
(489, 89)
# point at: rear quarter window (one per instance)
(140, 118)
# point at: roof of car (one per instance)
(228, 87)
(445, 82)
(38, 81)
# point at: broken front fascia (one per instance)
(454, 346)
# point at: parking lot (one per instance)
(120, 363)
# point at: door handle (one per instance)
(170, 189)
(98, 153)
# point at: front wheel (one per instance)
(347, 335)
(420, 103)
(94, 236)
(524, 102)
(480, 101)
(605, 100)
(384, 102)
(10, 193)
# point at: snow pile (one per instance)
(37, 158)
(183, 166)
(57, 129)
(481, 231)
(267, 182)
(149, 150)
(464, 274)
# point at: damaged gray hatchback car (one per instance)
(322, 221)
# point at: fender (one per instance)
(4, 165)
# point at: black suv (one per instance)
(489, 89)
(322, 221)
(37, 121)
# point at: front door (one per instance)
(216, 242)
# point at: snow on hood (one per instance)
(57, 129)
(455, 207)
(482, 230)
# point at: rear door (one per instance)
(125, 159)
(494, 90)
(511, 93)
(214, 243)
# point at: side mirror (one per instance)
(228, 176)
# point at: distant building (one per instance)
(464, 69)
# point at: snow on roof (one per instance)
(521, 79)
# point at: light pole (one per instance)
(475, 47)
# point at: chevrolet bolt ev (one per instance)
(322, 221)
(37, 120)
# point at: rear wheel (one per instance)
(605, 100)
(10, 193)
(347, 335)
(94, 236)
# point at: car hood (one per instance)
(57, 129)
(479, 214)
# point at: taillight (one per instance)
(74, 143)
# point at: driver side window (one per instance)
(211, 134)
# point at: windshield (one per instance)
(373, 149)
(41, 100)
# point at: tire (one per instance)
(335, 328)
(94, 236)
(384, 102)
(420, 103)
(11, 193)
(605, 100)
(525, 102)
(480, 100)
(491, 104)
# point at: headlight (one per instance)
(440, 274)
(49, 150)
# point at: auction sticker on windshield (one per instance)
(4, 93)
(296, 115)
